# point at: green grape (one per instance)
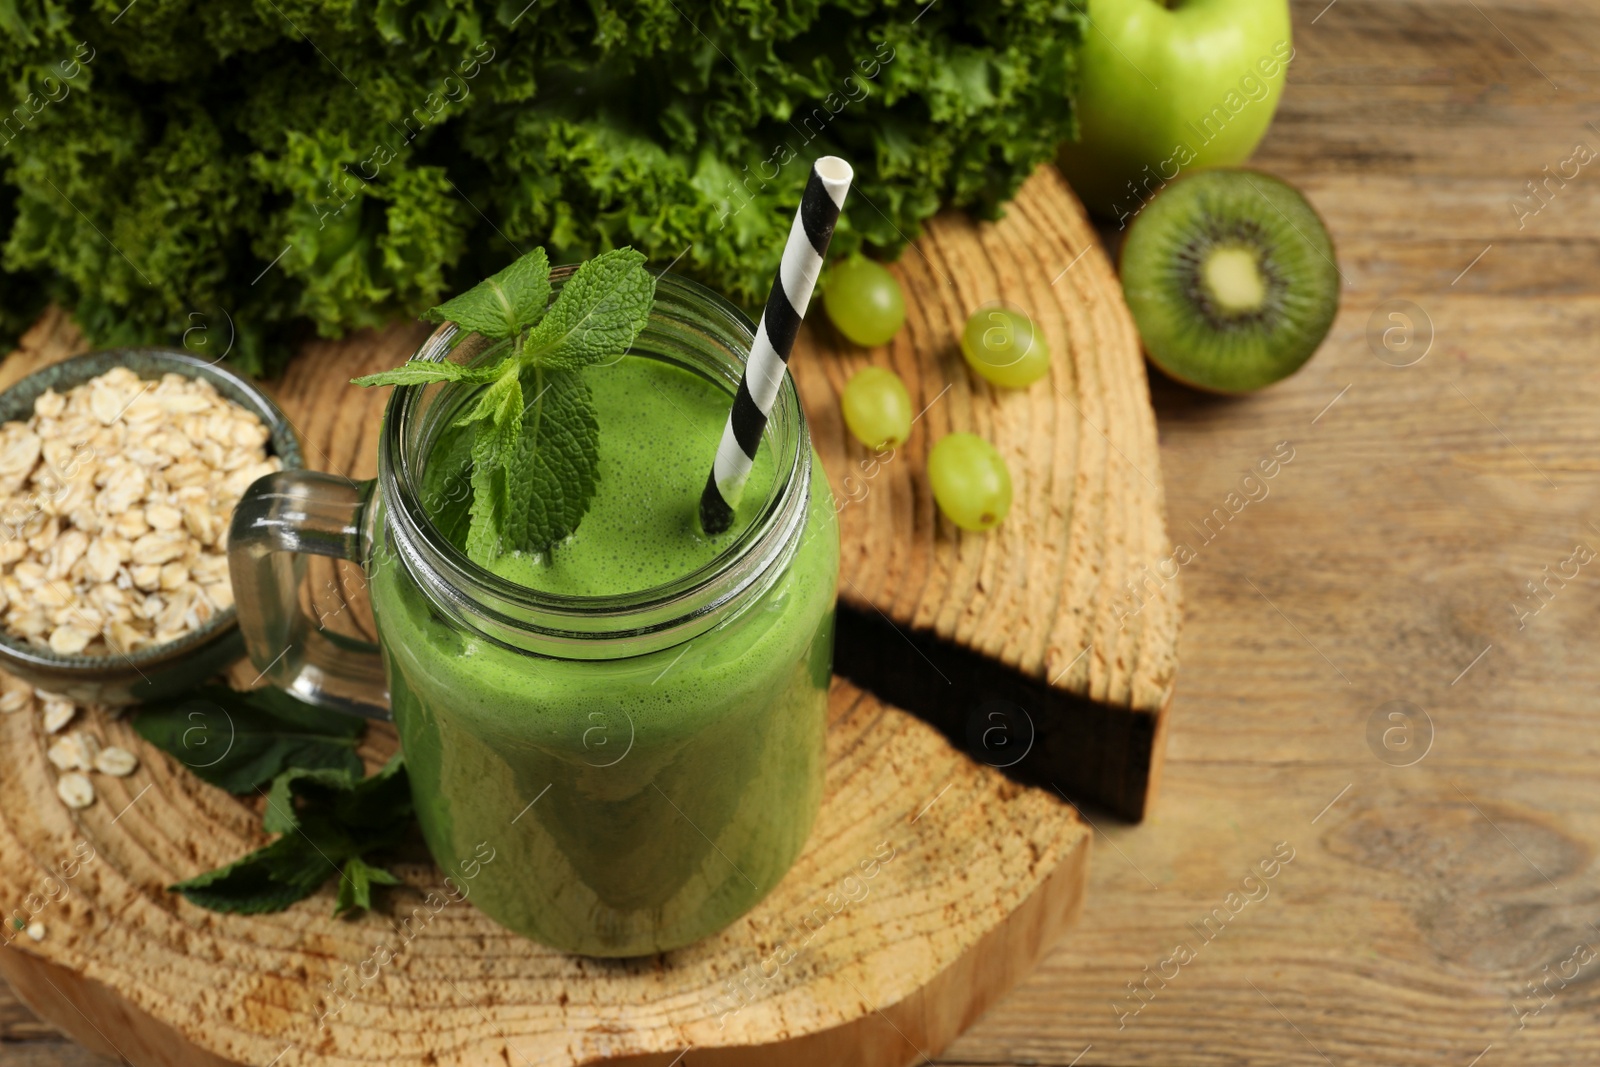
(1005, 348)
(970, 481)
(864, 301)
(877, 408)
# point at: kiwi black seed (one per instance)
(1231, 279)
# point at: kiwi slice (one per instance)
(1231, 279)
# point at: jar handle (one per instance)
(282, 518)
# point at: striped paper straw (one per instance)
(769, 352)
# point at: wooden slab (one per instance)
(1025, 638)
(981, 875)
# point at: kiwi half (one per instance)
(1231, 279)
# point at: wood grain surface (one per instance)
(1032, 621)
(1422, 900)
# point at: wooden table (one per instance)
(1383, 566)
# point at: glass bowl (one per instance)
(159, 670)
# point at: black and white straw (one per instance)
(769, 352)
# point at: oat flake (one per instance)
(75, 790)
(115, 761)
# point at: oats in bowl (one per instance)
(115, 498)
(119, 471)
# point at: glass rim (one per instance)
(502, 609)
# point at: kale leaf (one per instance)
(220, 175)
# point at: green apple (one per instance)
(1167, 88)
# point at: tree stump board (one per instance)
(982, 874)
(985, 870)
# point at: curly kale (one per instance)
(225, 174)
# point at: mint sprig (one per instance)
(330, 820)
(329, 816)
(534, 436)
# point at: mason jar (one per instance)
(622, 774)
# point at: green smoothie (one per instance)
(659, 424)
(635, 802)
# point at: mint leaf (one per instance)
(268, 879)
(554, 470)
(363, 806)
(379, 806)
(503, 304)
(356, 882)
(483, 527)
(496, 403)
(240, 741)
(598, 315)
(281, 814)
(499, 413)
(421, 371)
(330, 820)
